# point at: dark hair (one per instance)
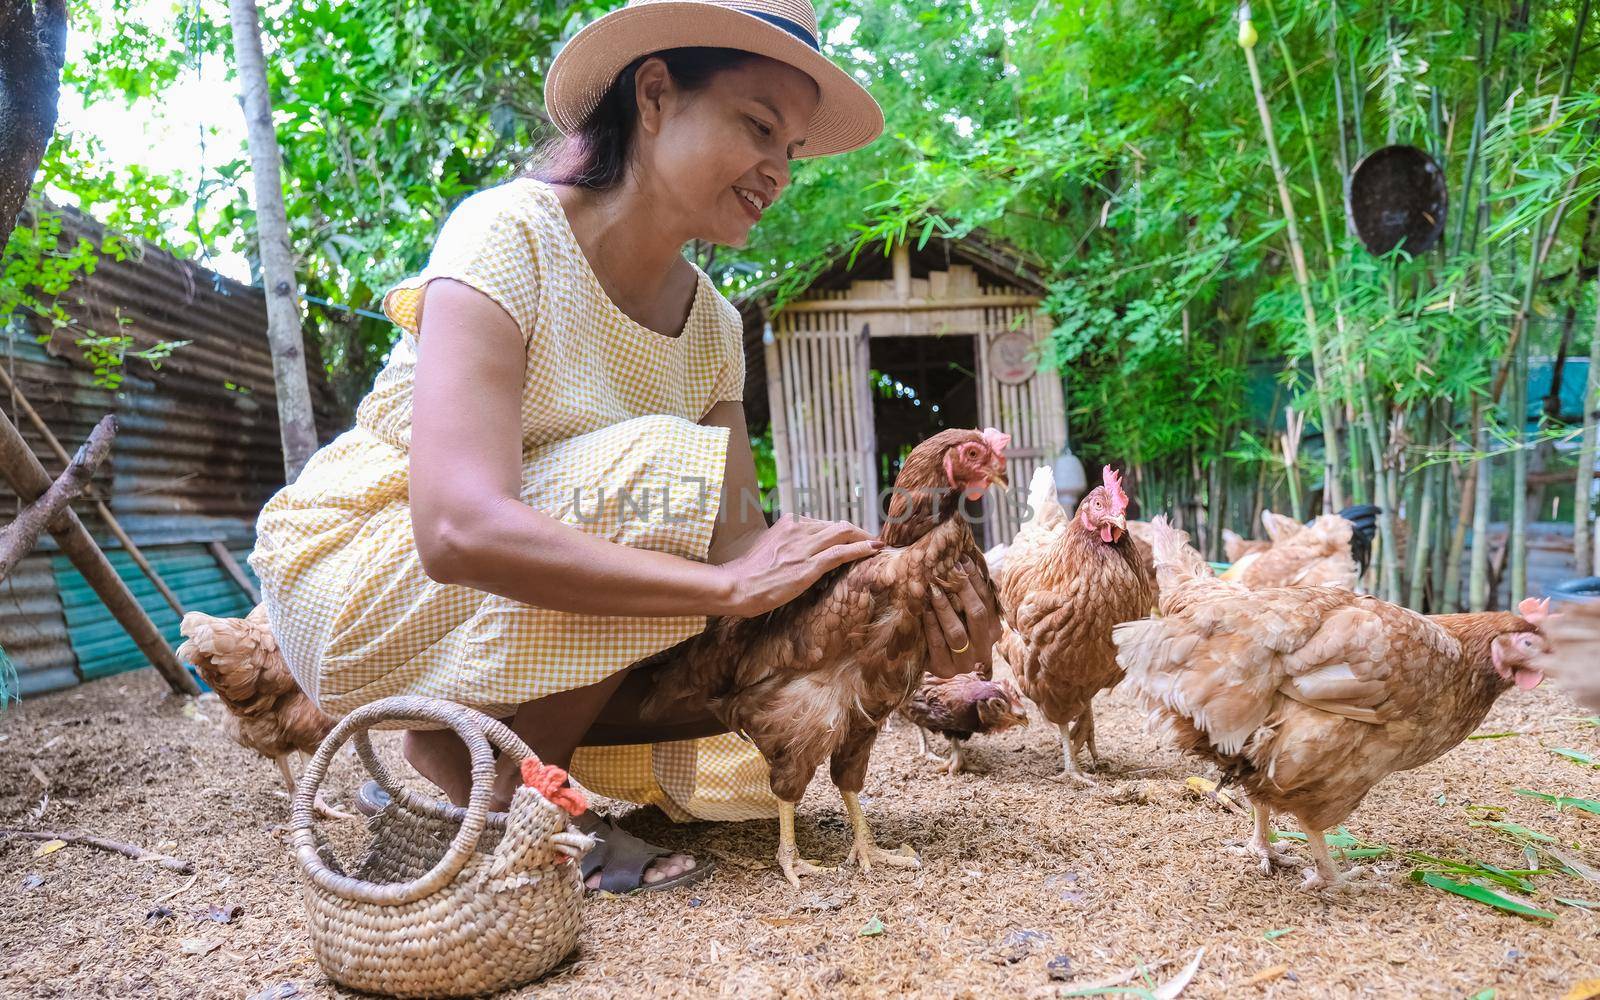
(597, 156)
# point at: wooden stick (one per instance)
(100, 505)
(225, 558)
(28, 478)
(19, 537)
(133, 851)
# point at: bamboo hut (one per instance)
(880, 351)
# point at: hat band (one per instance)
(794, 28)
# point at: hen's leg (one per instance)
(924, 749)
(1260, 843)
(1069, 761)
(321, 805)
(863, 849)
(1326, 874)
(789, 858)
(287, 770)
(1086, 735)
(958, 756)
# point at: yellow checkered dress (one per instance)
(610, 444)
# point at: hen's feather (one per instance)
(239, 658)
(1311, 695)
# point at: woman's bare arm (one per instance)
(740, 521)
(473, 529)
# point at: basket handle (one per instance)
(477, 731)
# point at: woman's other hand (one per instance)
(961, 641)
(789, 557)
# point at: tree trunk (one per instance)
(33, 45)
(296, 423)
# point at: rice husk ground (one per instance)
(1019, 871)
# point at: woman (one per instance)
(489, 531)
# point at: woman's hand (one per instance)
(789, 557)
(956, 646)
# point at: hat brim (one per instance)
(846, 118)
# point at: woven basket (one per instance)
(445, 901)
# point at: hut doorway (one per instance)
(955, 322)
(920, 386)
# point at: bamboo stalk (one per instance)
(1517, 537)
(1333, 495)
(1583, 555)
(1421, 539)
(231, 566)
(1479, 593)
(1467, 490)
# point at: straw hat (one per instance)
(786, 30)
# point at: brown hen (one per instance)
(1065, 586)
(267, 712)
(959, 708)
(815, 679)
(1309, 696)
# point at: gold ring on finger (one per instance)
(964, 647)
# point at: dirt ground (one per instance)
(1021, 874)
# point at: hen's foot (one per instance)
(1353, 880)
(864, 850)
(795, 866)
(327, 811)
(866, 854)
(1268, 856)
(1072, 774)
(958, 759)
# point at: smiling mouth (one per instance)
(753, 202)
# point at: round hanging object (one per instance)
(1398, 197)
(1011, 358)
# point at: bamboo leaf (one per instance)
(1488, 897)
(1563, 801)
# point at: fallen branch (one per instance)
(137, 853)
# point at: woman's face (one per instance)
(722, 152)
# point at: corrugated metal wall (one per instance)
(197, 450)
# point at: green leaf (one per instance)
(872, 928)
(1515, 830)
(1274, 935)
(1488, 897)
(1563, 801)
(1580, 757)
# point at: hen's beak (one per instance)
(996, 475)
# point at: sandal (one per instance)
(622, 858)
(371, 799)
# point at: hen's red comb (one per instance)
(1534, 611)
(1114, 491)
(997, 440)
